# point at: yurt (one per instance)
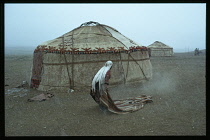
(72, 60)
(159, 49)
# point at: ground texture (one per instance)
(178, 90)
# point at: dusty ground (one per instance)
(178, 89)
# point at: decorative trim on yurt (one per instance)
(61, 50)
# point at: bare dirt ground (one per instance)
(178, 89)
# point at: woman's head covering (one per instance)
(100, 75)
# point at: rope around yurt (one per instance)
(139, 66)
(128, 54)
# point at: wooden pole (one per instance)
(72, 66)
(66, 64)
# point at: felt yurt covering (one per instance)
(72, 60)
(160, 49)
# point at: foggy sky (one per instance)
(181, 26)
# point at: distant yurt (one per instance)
(72, 60)
(159, 49)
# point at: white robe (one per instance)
(100, 75)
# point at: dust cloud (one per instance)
(161, 83)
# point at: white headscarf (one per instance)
(100, 75)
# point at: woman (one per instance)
(100, 83)
(99, 92)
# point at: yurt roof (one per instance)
(90, 36)
(158, 44)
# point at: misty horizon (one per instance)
(181, 26)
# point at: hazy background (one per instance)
(181, 26)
